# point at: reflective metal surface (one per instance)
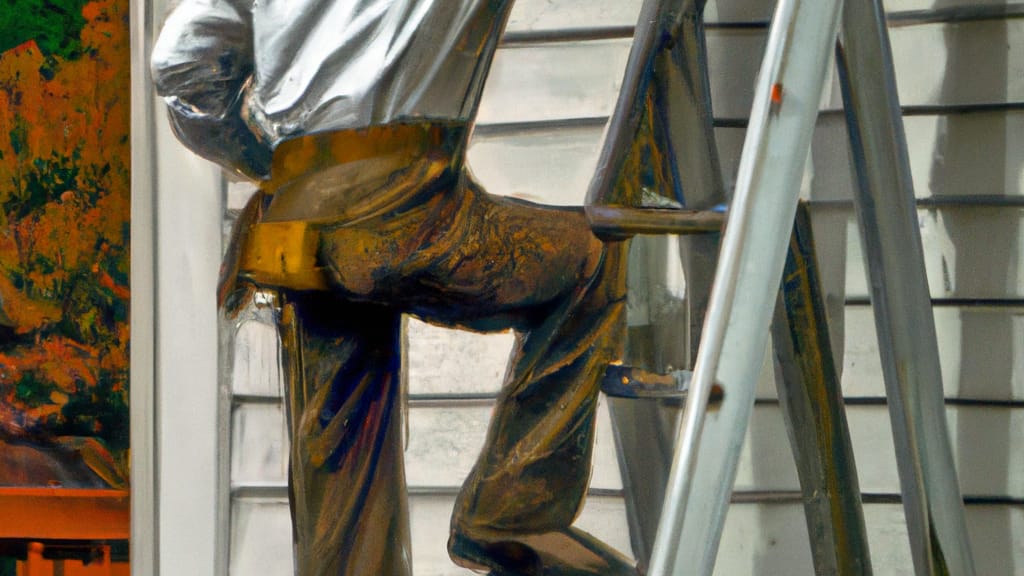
(660, 141)
(899, 294)
(812, 404)
(743, 297)
(240, 77)
(145, 538)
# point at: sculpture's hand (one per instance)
(202, 65)
(227, 140)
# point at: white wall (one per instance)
(175, 396)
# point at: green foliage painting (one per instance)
(64, 231)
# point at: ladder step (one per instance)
(622, 221)
(622, 381)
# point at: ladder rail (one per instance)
(739, 313)
(812, 405)
(742, 300)
(664, 104)
(887, 216)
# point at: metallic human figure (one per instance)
(356, 114)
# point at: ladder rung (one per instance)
(621, 381)
(623, 222)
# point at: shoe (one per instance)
(569, 552)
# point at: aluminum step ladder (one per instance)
(744, 296)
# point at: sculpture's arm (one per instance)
(201, 65)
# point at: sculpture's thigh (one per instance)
(464, 257)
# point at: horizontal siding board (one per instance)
(261, 537)
(553, 15)
(759, 539)
(561, 161)
(545, 82)
(547, 15)
(969, 253)
(259, 444)
(443, 361)
(444, 443)
(969, 63)
(981, 351)
(951, 156)
(979, 153)
(255, 367)
(997, 471)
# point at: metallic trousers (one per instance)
(453, 255)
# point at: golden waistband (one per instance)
(283, 254)
(300, 156)
(281, 251)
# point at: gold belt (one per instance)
(285, 253)
(300, 156)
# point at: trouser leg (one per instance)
(516, 508)
(533, 473)
(466, 258)
(347, 478)
(515, 511)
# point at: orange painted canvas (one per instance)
(64, 257)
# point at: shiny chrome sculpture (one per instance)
(355, 114)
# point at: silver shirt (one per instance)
(284, 68)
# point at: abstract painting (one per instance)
(64, 259)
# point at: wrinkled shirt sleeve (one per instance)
(201, 65)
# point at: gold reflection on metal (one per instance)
(417, 235)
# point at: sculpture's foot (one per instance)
(569, 552)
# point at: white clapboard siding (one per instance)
(259, 444)
(759, 538)
(560, 15)
(970, 253)
(262, 535)
(547, 81)
(454, 361)
(444, 443)
(981, 350)
(985, 158)
(540, 126)
(255, 367)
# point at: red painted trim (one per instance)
(64, 514)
